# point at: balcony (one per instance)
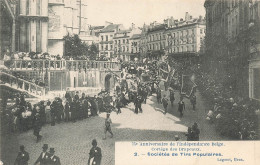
(62, 65)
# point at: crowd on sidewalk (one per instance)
(234, 116)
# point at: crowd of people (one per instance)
(50, 158)
(234, 116)
(24, 116)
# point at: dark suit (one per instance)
(55, 160)
(43, 159)
(95, 153)
(22, 158)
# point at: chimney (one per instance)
(181, 19)
(187, 16)
(133, 26)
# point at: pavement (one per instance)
(72, 141)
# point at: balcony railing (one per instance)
(22, 85)
(23, 65)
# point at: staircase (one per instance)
(20, 85)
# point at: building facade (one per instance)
(126, 44)
(229, 41)
(106, 35)
(185, 36)
(40, 25)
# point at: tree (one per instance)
(74, 47)
(93, 51)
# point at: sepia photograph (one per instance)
(78, 77)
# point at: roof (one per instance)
(157, 28)
(110, 28)
(123, 31)
(136, 36)
(96, 27)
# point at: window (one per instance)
(106, 47)
(127, 48)
(123, 49)
(111, 47)
(201, 31)
(123, 40)
(102, 38)
(193, 48)
(106, 38)
(38, 4)
(27, 7)
(127, 41)
(102, 48)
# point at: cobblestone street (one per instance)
(72, 141)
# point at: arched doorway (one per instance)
(108, 83)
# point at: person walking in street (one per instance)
(95, 154)
(159, 95)
(53, 159)
(108, 123)
(193, 102)
(138, 104)
(196, 132)
(165, 103)
(22, 157)
(172, 98)
(118, 105)
(37, 126)
(181, 107)
(44, 156)
(189, 134)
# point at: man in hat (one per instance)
(159, 95)
(193, 101)
(108, 123)
(172, 98)
(138, 104)
(53, 159)
(165, 103)
(181, 107)
(95, 154)
(44, 156)
(22, 157)
(37, 125)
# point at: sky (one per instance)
(139, 12)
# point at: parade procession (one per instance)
(77, 76)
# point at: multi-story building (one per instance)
(254, 50)
(135, 46)
(65, 17)
(40, 25)
(185, 36)
(155, 38)
(106, 35)
(229, 39)
(121, 44)
(126, 45)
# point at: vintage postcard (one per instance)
(123, 82)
